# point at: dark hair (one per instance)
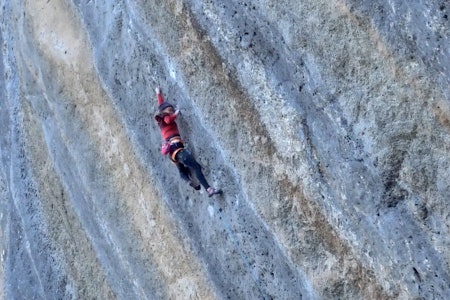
(164, 105)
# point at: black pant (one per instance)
(188, 167)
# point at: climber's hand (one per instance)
(158, 90)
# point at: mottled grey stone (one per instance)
(326, 123)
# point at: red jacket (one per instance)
(166, 122)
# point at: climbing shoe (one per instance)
(212, 191)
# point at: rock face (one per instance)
(326, 123)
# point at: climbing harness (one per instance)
(175, 146)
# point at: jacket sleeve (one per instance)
(160, 98)
(169, 118)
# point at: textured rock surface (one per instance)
(327, 123)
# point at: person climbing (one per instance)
(190, 170)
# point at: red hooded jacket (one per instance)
(166, 122)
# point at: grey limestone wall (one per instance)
(326, 124)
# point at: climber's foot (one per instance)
(212, 191)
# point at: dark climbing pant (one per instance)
(188, 167)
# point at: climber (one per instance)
(190, 170)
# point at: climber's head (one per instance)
(166, 107)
